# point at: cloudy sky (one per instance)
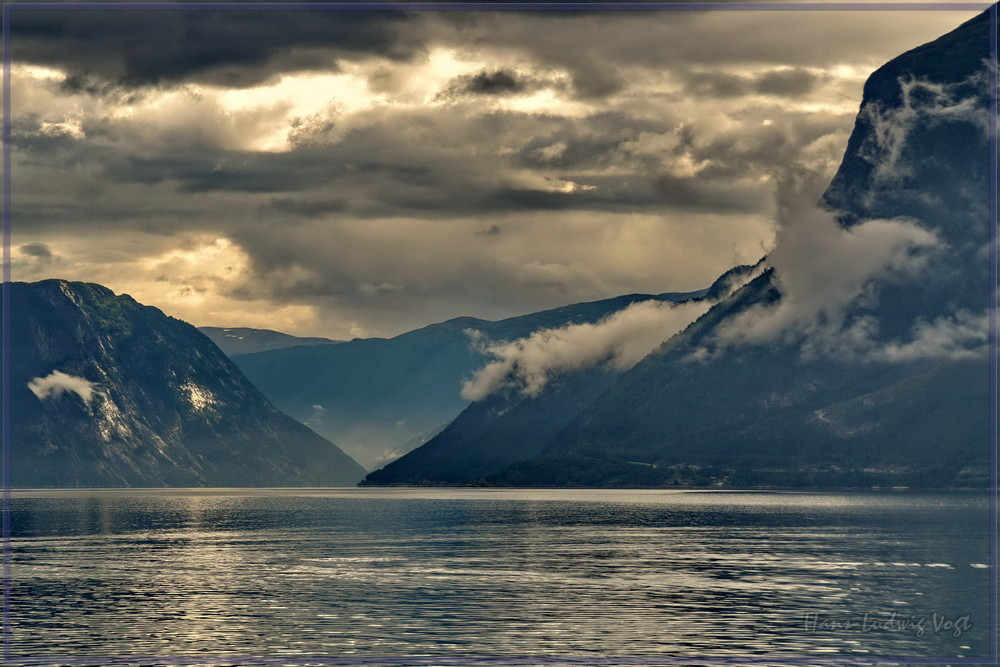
(363, 173)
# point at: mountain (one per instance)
(858, 356)
(108, 392)
(765, 416)
(241, 340)
(509, 426)
(494, 433)
(373, 395)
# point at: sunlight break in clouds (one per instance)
(620, 340)
(57, 382)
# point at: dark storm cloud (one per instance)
(306, 208)
(513, 199)
(594, 78)
(477, 196)
(788, 83)
(716, 84)
(38, 250)
(588, 143)
(781, 83)
(87, 84)
(382, 172)
(33, 144)
(243, 48)
(234, 48)
(523, 163)
(496, 82)
(223, 171)
(661, 193)
(701, 193)
(595, 44)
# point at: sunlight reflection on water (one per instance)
(464, 572)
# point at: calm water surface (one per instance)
(422, 572)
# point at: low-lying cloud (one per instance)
(56, 383)
(822, 268)
(620, 340)
(963, 335)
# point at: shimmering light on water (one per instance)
(447, 572)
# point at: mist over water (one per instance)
(432, 572)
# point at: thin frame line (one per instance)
(9, 8)
(430, 661)
(993, 329)
(500, 6)
(5, 459)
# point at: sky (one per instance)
(358, 174)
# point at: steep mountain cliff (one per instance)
(859, 356)
(889, 386)
(108, 392)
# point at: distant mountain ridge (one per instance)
(108, 392)
(243, 340)
(373, 395)
(492, 434)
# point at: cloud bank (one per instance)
(620, 340)
(56, 383)
(335, 151)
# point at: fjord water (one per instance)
(477, 572)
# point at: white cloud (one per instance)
(962, 336)
(920, 99)
(72, 128)
(822, 268)
(620, 340)
(57, 382)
